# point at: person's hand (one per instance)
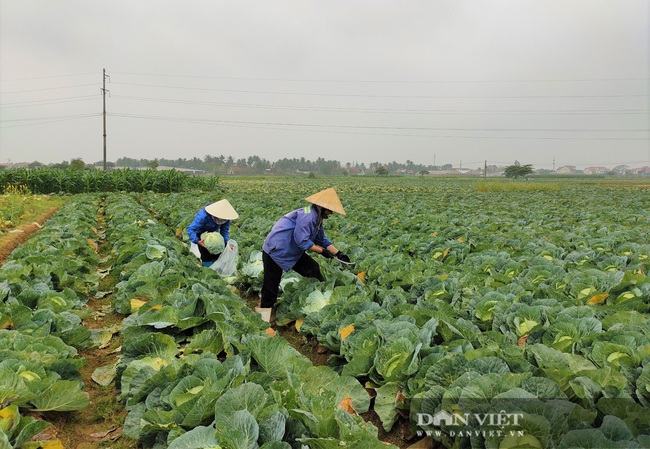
(342, 257)
(327, 254)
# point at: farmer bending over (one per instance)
(292, 235)
(214, 217)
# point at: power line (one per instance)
(22, 104)
(410, 128)
(381, 81)
(48, 118)
(385, 111)
(46, 121)
(304, 127)
(47, 88)
(46, 77)
(526, 97)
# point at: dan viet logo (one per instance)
(471, 424)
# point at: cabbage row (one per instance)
(197, 368)
(474, 302)
(44, 288)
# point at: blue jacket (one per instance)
(203, 222)
(294, 234)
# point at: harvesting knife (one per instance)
(346, 264)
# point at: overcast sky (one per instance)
(545, 82)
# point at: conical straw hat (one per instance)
(222, 209)
(328, 199)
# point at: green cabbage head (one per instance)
(213, 242)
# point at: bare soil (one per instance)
(13, 238)
(99, 425)
(306, 345)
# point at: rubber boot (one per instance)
(264, 313)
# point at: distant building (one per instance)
(595, 170)
(566, 169)
(189, 171)
(17, 165)
(641, 170)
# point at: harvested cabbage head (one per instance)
(213, 242)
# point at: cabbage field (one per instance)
(473, 317)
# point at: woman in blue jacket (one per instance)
(286, 246)
(214, 217)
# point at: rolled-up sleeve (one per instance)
(321, 238)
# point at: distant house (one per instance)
(189, 171)
(18, 165)
(641, 170)
(566, 169)
(595, 170)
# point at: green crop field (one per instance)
(478, 314)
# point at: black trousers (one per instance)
(306, 266)
(207, 256)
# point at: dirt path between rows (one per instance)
(100, 424)
(15, 237)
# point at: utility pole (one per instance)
(104, 112)
(485, 169)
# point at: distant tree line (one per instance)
(219, 165)
(254, 165)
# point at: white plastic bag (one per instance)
(194, 249)
(226, 264)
